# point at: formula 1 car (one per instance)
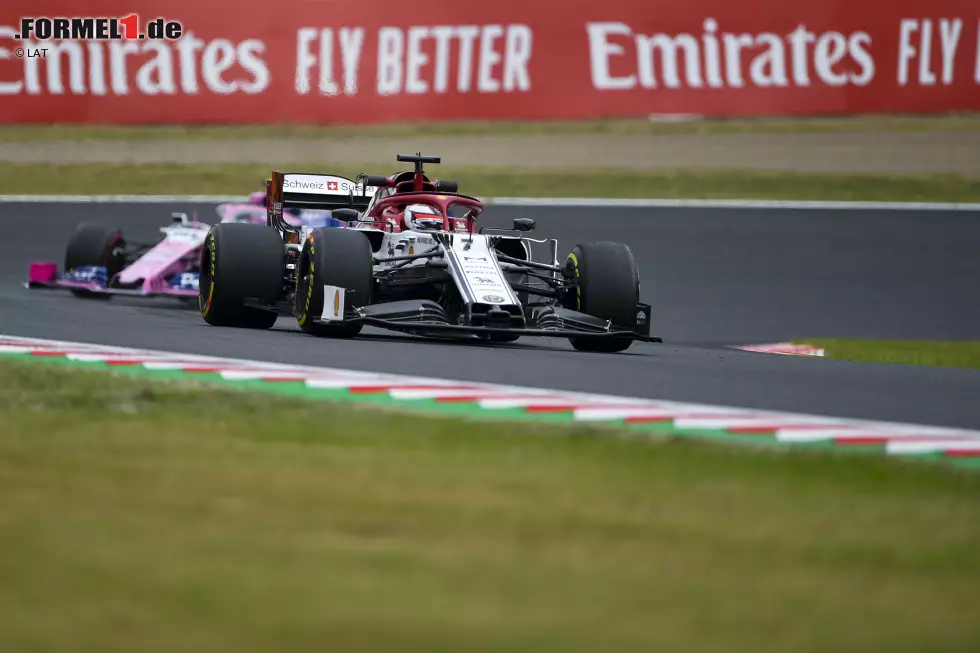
(414, 262)
(100, 263)
(254, 211)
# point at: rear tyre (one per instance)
(608, 288)
(240, 262)
(333, 257)
(97, 245)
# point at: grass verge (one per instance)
(944, 354)
(241, 179)
(884, 123)
(150, 516)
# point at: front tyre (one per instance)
(96, 245)
(608, 288)
(241, 262)
(333, 257)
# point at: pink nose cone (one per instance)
(257, 198)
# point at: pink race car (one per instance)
(99, 263)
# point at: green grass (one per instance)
(883, 123)
(241, 179)
(145, 516)
(944, 354)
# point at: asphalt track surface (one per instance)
(714, 277)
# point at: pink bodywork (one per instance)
(153, 270)
(161, 263)
(172, 256)
(255, 210)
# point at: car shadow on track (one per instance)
(529, 345)
(286, 326)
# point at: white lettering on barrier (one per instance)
(677, 60)
(165, 68)
(488, 59)
(157, 76)
(859, 44)
(389, 60)
(905, 48)
(949, 38)
(13, 88)
(769, 68)
(418, 59)
(976, 70)
(350, 43)
(600, 50)
(926, 76)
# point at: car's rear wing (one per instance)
(305, 190)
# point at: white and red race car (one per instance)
(411, 259)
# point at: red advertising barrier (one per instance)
(322, 61)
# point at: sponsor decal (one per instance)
(769, 58)
(186, 281)
(493, 299)
(88, 274)
(334, 312)
(185, 235)
(291, 184)
(480, 269)
(324, 185)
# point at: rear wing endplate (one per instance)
(304, 190)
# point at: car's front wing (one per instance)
(441, 328)
(98, 289)
(427, 317)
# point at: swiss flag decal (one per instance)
(331, 185)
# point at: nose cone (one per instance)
(257, 198)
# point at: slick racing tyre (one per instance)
(241, 261)
(333, 257)
(608, 288)
(96, 245)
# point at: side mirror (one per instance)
(446, 186)
(523, 224)
(345, 215)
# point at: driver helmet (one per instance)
(421, 217)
